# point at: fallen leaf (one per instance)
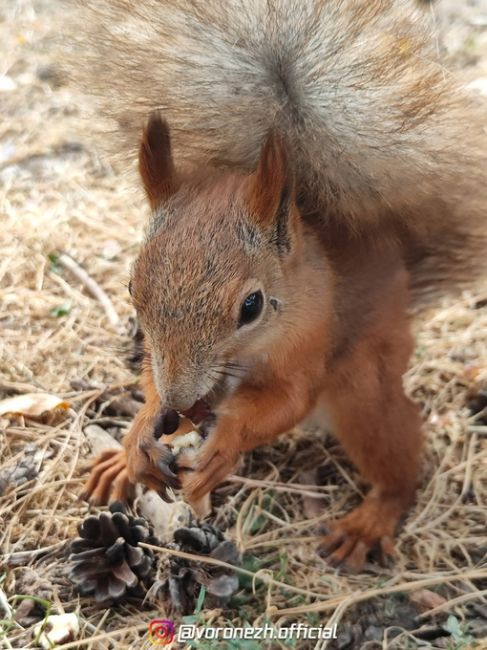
(427, 599)
(32, 404)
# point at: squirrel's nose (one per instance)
(179, 403)
(167, 423)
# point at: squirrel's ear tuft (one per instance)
(272, 192)
(156, 166)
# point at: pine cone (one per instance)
(185, 578)
(107, 560)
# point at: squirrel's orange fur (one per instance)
(319, 155)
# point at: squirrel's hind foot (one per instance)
(367, 530)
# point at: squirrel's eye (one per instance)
(251, 308)
(130, 287)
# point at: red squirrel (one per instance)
(313, 173)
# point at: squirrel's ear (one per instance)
(156, 166)
(272, 192)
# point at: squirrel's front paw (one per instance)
(213, 464)
(152, 463)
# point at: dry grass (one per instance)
(56, 195)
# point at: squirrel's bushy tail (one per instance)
(377, 128)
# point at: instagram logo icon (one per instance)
(161, 632)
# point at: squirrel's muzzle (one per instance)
(169, 419)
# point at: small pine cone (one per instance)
(106, 558)
(185, 578)
(198, 538)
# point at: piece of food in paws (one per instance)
(185, 443)
(185, 438)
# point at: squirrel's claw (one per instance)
(211, 468)
(366, 530)
(122, 489)
(114, 474)
(153, 482)
(169, 476)
(351, 553)
(157, 461)
(341, 551)
(108, 480)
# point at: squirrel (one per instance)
(314, 175)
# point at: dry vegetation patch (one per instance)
(56, 195)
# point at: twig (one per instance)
(324, 605)
(93, 287)
(313, 491)
(467, 480)
(4, 604)
(18, 387)
(34, 553)
(106, 636)
(264, 577)
(480, 429)
(459, 600)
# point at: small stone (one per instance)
(56, 630)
